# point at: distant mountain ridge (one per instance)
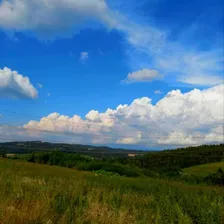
(19, 147)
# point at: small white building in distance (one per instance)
(132, 155)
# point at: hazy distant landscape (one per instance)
(38, 146)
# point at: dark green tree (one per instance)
(3, 153)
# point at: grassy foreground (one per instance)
(203, 170)
(35, 194)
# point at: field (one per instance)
(35, 193)
(203, 170)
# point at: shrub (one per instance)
(106, 173)
(110, 167)
(3, 153)
(216, 178)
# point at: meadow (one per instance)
(203, 170)
(33, 193)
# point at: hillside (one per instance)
(204, 170)
(167, 163)
(37, 193)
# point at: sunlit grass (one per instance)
(33, 193)
(204, 170)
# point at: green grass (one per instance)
(35, 194)
(203, 170)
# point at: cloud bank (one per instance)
(181, 119)
(14, 85)
(50, 18)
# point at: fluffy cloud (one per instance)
(49, 18)
(14, 85)
(144, 75)
(191, 118)
(83, 56)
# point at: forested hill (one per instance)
(154, 160)
(183, 157)
(209, 152)
(94, 151)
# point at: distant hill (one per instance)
(39, 146)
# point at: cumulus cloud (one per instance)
(49, 18)
(144, 75)
(180, 119)
(83, 56)
(14, 85)
(130, 140)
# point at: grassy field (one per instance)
(204, 170)
(35, 194)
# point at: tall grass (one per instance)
(36, 194)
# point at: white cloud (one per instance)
(14, 85)
(191, 118)
(144, 75)
(144, 38)
(130, 140)
(150, 46)
(39, 85)
(192, 67)
(158, 92)
(201, 80)
(49, 94)
(50, 18)
(83, 56)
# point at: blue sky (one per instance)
(89, 55)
